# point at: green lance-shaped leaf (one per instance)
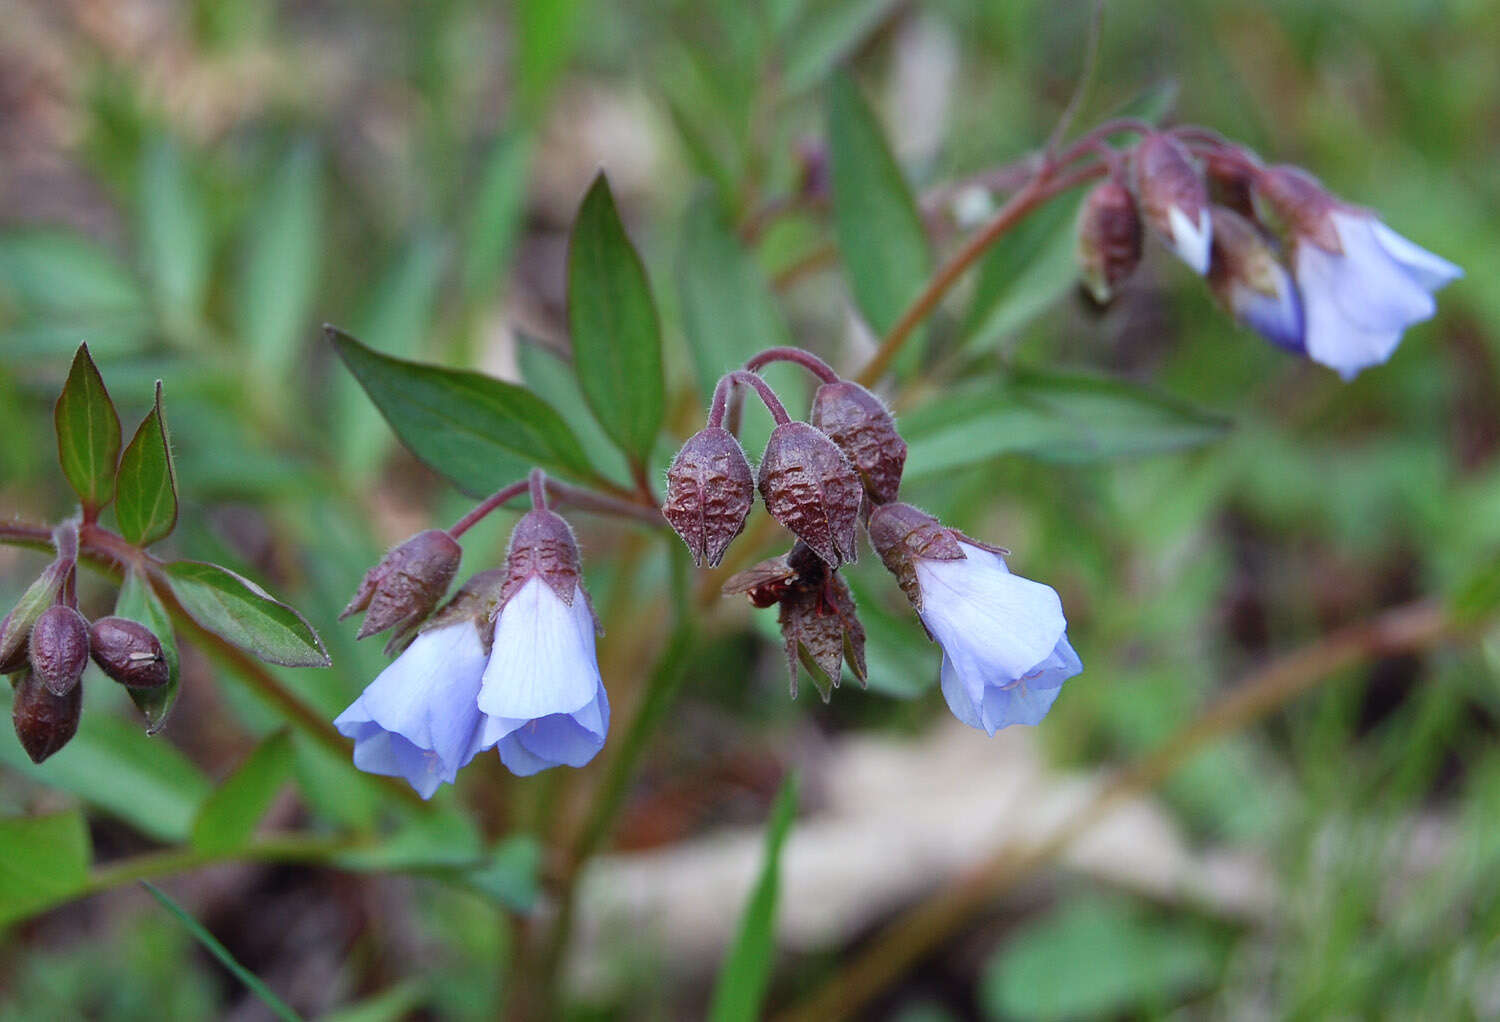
(1055, 417)
(236, 609)
(728, 312)
(479, 432)
(139, 602)
(228, 817)
(616, 334)
(279, 272)
(88, 433)
(146, 484)
(174, 230)
(879, 230)
(495, 218)
(742, 982)
(46, 862)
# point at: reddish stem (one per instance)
(489, 504)
(536, 481)
(767, 395)
(806, 359)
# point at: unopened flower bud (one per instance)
(1174, 198)
(710, 491)
(407, 583)
(900, 534)
(128, 652)
(857, 421)
(1109, 239)
(1230, 174)
(812, 489)
(1249, 280)
(59, 647)
(1301, 205)
(44, 722)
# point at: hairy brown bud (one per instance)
(1109, 239)
(542, 546)
(128, 652)
(1300, 203)
(857, 421)
(1174, 198)
(709, 493)
(59, 647)
(812, 489)
(1230, 173)
(900, 534)
(407, 583)
(44, 722)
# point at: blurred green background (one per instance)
(193, 187)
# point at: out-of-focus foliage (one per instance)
(193, 187)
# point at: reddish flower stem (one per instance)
(806, 359)
(767, 395)
(484, 507)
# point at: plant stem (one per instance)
(288, 848)
(921, 929)
(484, 507)
(1038, 190)
(767, 395)
(806, 359)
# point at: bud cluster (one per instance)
(1311, 273)
(46, 644)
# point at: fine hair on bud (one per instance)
(810, 487)
(44, 722)
(710, 491)
(861, 426)
(407, 584)
(1109, 239)
(1174, 198)
(59, 648)
(128, 652)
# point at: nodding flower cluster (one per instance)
(1003, 637)
(45, 644)
(1313, 274)
(508, 663)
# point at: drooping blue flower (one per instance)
(420, 719)
(1004, 638)
(1360, 298)
(542, 695)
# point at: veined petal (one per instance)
(419, 718)
(1192, 242)
(1332, 338)
(557, 739)
(1371, 288)
(1019, 704)
(1430, 271)
(995, 626)
(542, 661)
